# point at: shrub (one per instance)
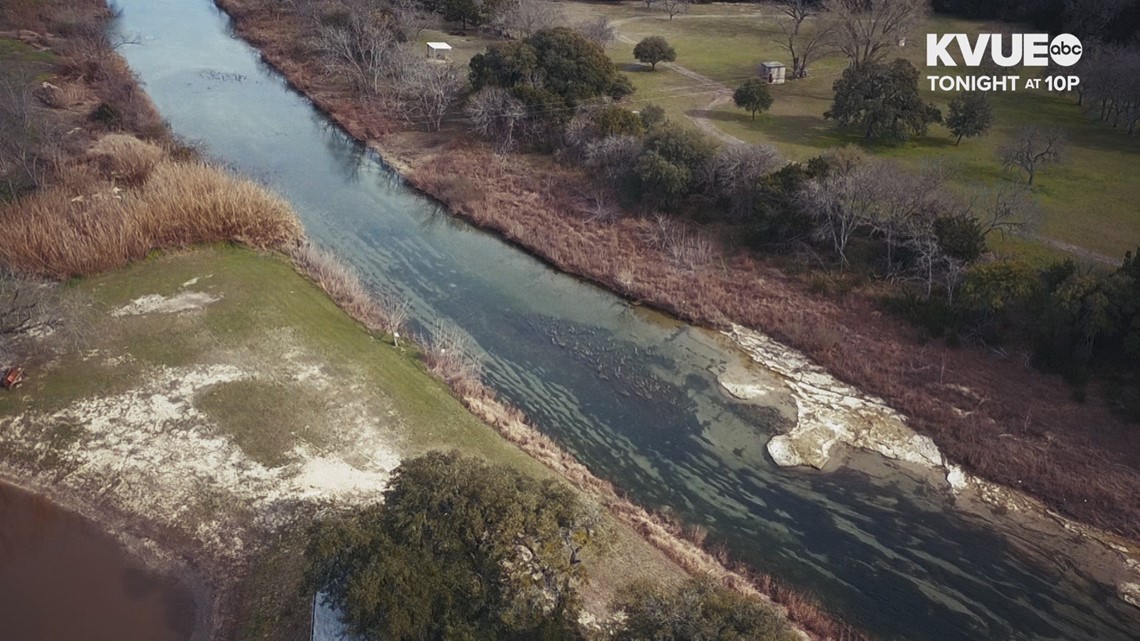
(960, 237)
(652, 115)
(107, 114)
(932, 313)
(617, 121)
(696, 609)
(776, 217)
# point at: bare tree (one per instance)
(797, 11)
(907, 202)
(866, 29)
(1115, 84)
(363, 47)
(734, 174)
(426, 90)
(521, 18)
(413, 16)
(498, 116)
(1031, 148)
(649, 3)
(600, 31)
(805, 47)
(27, 137)
(612, 157)
(1005, 209)
(675, 7)
(839, 202)
(683, 243)
(931, 265)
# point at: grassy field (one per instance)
(312, 380)
(1091, 200)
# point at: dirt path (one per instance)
(721, 92)
(1076, 250)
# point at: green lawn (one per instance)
(1091, 200)
(314, 378)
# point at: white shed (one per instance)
(773, 72)
(438, 50)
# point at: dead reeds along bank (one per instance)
(130, 198)
(378, 311)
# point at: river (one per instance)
(631, 393)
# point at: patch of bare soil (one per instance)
(149, 454)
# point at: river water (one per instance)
(61, 579)
(631, 393)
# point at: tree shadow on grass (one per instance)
(806, 130)
(633, 67)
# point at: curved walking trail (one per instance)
(722, 94)
(635, 396)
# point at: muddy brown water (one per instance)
(61, 579)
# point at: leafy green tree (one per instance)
(670, 163)
(882, 100)
(667, 181)
(468, 12)
(970, 115)
(778, 217)
(697, 609)
(459, 549)
(505, 65)
(960, 237)
(654, 49)
(560, 61)
(989, 289)
(753, 96)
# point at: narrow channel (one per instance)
(631, 393)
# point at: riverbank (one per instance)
(199, 447)
(995, 416)
(170, 428)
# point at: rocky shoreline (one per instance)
(833, 418)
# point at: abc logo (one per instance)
(1065, 50)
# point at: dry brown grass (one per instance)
(126, 158)
(84, 224)
(448, 353)
(384, 312)
(1054, 454)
